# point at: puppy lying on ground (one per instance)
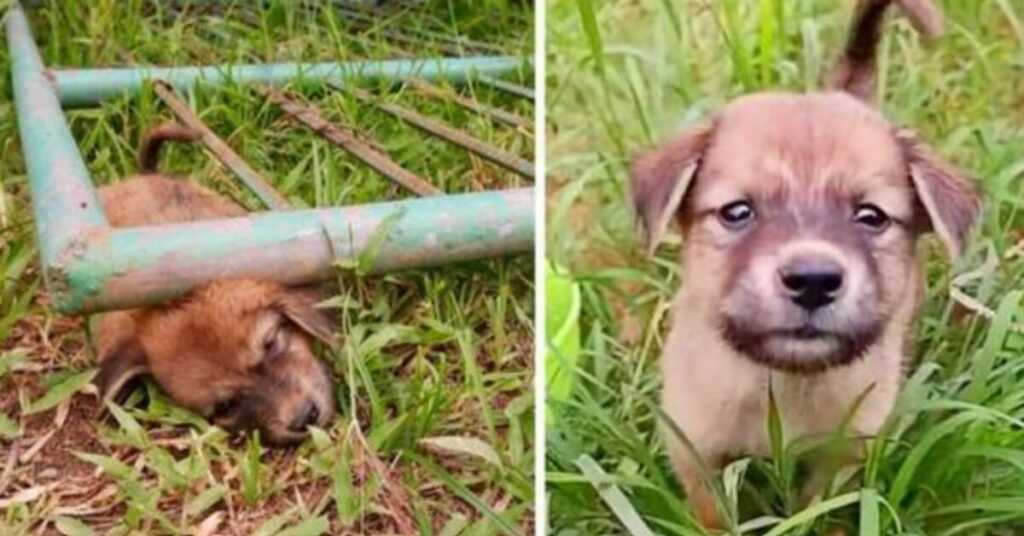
(237, 351)
(800, 215)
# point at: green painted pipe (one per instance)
(86, 87)
(63, 199)
(130, 267)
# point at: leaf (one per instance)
(26, 495)
(903, 480)
(366, 259)
(8, 428)
(205, 500)
(589, 20)
(466, 494)
(12, 360)
(346, 497)
(732, 478)
(273, 525)
(613, 497)
(61, 391)
(812, 512)
(250, 469)
(454, 526)
(673, 17)
(311, 527)
(869, 517)
(112, 466)
(991, 504)
(69, 526)
(132, 429)
(320, 439)
(776, 434)
(981, 372)
(463, 445)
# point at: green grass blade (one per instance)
(613, 497)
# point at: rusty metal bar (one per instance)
(509, 161)
(227, 156)
(508, 87)
(496, 114)
(373, 157)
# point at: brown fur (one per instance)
(236, 350)
(806, 164)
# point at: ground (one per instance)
(623, 74)
(434, 433)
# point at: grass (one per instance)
(622, 75)
(434, 433)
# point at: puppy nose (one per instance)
(307, 416)
(812, 282)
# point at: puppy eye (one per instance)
(224, 407)
(871, 216)
(274, 343)
(736, 215)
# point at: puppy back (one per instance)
(855, 73)
(157, 199)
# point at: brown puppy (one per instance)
(237, 351)
(800, 215)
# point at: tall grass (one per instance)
(624, 74)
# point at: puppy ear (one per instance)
(120, 370)
(300, 307)
(949, 197)
(661, 177)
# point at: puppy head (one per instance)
(800, 214)
(238, 352)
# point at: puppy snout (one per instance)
(812, 282)
(308, 415)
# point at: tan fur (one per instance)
(208, 349)
(806, 164)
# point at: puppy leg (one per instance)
(823, 468)
(120, 355)
(700, 496)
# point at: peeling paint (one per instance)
(137, 266)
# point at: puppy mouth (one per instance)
(806, 349)
(806, 332)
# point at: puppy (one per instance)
(237, 351)
(800, 215)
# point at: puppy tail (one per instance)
(149, 149)
(855, 73)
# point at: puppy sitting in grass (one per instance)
(237, 351)
(800, 215)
